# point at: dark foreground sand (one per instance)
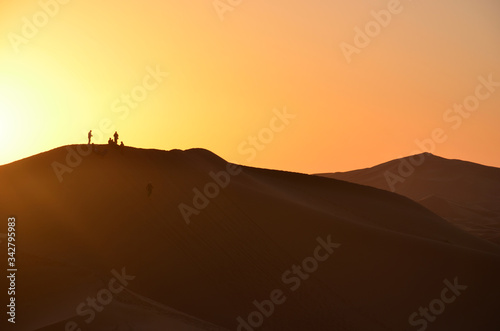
(388, 256)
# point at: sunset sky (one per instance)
(232, 69)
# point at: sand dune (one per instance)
(390, 256)
(464, 193)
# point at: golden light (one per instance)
(19, 118)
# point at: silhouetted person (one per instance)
(122, 144)
(149, 188)
(90, 136)
(116, 138)
(110, 141)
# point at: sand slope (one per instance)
(464, 193)
(393, 256)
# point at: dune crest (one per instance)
(464, 193)
(393, 255)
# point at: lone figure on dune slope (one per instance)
(90, 136)
(149, 188)
(116, 137)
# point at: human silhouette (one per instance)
(90, 136)
(116, 138)
(149, 188)
(122, 144)
(110, 141)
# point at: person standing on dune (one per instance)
(90, 136)
(149, 188)
(116, 137)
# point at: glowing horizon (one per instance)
(359, 87)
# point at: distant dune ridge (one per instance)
(393, 256)
(464, 193)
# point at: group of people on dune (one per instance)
(111, 141)
(114, 142)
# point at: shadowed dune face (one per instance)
(368, 258)
(464, 193)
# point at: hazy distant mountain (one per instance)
(464, 193)
(368, 258)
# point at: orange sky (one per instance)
(68, 71)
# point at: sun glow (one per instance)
(226, 77)
(17, 116)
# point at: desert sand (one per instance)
(464, 193)
(392, 255)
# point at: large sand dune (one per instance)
(464, 193)
(390, 255)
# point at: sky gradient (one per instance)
(198, 75)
